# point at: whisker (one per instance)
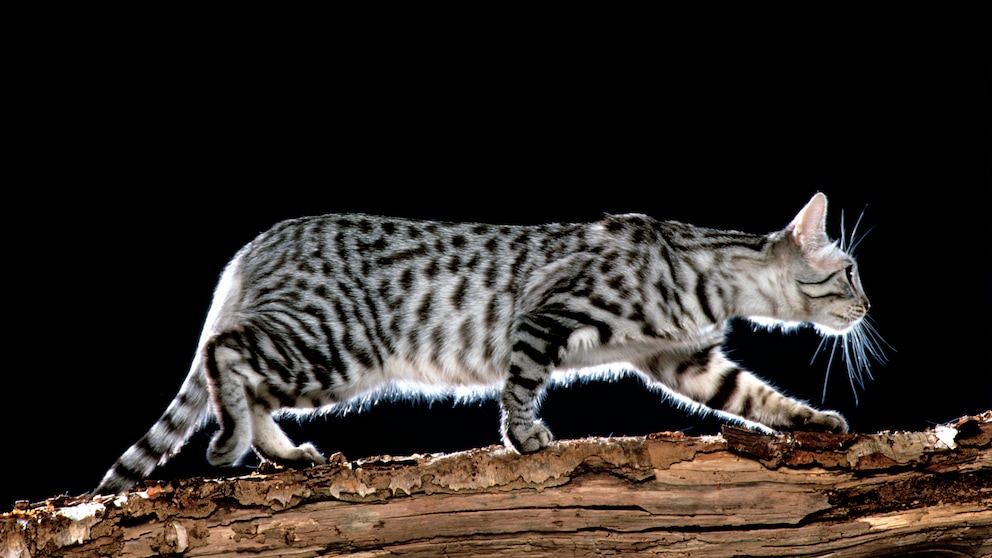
(850, 378)
(859, 362)
(876, 340)
(826, 376)
(854, 231)
(859, 348)
(830, 361)
(843, 232)
(849, 243)
(856, 243)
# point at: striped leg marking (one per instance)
(710, 379)
(535, 351)
(226, 363)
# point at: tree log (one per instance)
(739, 493)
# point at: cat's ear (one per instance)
(809, 228)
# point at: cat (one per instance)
(322, 310)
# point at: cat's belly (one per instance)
(459, 373)
(426, 376)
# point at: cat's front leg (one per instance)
(709, 378)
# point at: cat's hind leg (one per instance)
(270, 442)
(242, 377)
(227, 366)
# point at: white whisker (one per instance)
(843, 232)
(874, 340)
(830, 360)
(856, 243)
(854, 231)
(858, 348)
(855, 240)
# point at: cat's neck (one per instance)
(730, 277)
(760, 280)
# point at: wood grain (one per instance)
(738, 493)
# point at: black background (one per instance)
(140, 177)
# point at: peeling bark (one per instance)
(738, 493)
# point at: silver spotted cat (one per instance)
(321, 310)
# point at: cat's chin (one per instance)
(772, 323)
(827, 331)
(782, 325)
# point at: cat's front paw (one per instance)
(529, 438)
(819, 421)
(306, 455)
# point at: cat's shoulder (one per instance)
(637, 227)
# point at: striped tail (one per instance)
(188, 410)
(165, 438)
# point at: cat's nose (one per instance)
(865, 304)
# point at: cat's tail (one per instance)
(183, 416)
(188, 410)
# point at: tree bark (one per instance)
(740, 493)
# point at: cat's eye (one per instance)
(852, 276)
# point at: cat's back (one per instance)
(365, 246)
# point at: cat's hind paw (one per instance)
(295, 457)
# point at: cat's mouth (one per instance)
(841, 323)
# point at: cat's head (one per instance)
(821, 278)
(816, 281)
